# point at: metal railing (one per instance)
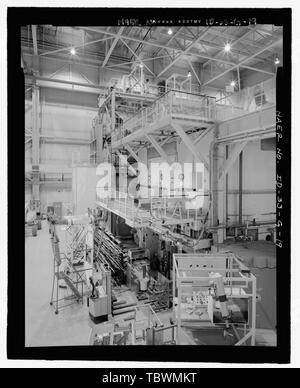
(122, 204)
(251, 99)
(175, 103)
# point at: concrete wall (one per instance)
(63, 115)
(259, 175)
(84, 180)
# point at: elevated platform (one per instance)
(257, 124)
(138, 217)
(187, 110)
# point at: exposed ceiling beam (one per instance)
(80, 60)
(209, 58)
(242, 62)
(137, 57)
(170, 40)
(232, 63)
(259, 28)
(113, 45)
(194, 71)
(34, 40)
(144, 60)
(257, 69)
(76, 47)
(184, 52)
(212, 44)
(231, 38)
(243, 53)
(252, 29)
(125, 37)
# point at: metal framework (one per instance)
(186, 39)
(192, 291)
(133, 119)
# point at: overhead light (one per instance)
(72, 51)
(277, 61)
(227, 47)
(141, 65)
(189, 74)
(232, 83)
(170, 32)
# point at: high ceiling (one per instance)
(162, 50)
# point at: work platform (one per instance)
(163, 218)
(136, 216)
(192, 112)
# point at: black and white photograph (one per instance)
(157, 181)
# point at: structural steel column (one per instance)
(35, 137)
(226, 189)
(113, 110)
(99, 142)
(241, 188)
(216, 184)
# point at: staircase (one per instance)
(61, 275)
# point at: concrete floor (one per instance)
(72, 326)
(42, 326)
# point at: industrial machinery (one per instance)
(33, 218)
(214, 292)
(100, 299)
(217, 281)
(141, 327)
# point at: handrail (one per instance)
(171, 102)
(251, 99)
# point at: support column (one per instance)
(214, 184)
(241, 188)
(99, 142)
(217, 187)
(113, 110)
(35, 140)
(226, 189)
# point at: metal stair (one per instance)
(69, 283)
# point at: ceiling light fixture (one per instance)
(277, 61)
(170, 32)
(227, 47)
(73, 51)
(189, 74)
(232, 83)
(141, 65)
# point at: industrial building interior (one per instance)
(150, 169)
